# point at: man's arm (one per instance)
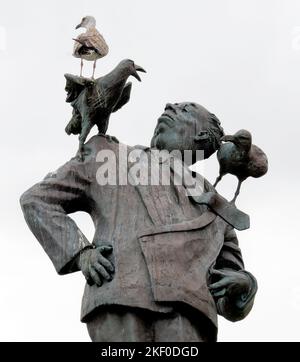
(233, 288)
(45, 207)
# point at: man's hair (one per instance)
(210, 125)
(215, 133)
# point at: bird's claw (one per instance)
(79, 155)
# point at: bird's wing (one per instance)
(124, 98)
(75, 85)
(259, 162)
(92, 40)
(75, 79)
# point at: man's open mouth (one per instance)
(167, 115)
(166, 119)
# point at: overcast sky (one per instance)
(239, 58)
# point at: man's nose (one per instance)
(171, 107)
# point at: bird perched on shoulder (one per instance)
(89, 45)
(93, 101)
(241, 158)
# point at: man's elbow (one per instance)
(235, 310)
(28, 201)
(24, 198)
(237, 315)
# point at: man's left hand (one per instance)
(232, 284)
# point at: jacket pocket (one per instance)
(178, 257)
(200, 222)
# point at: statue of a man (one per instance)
(160, 267)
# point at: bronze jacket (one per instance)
(164, 245)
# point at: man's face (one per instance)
(177, 127)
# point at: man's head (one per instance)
(187, 126)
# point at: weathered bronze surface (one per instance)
(93, 101)
(241, 158)
(162, 263)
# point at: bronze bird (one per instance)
(93, 101)
(240, 158)
(89, 45)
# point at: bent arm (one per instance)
(45, 207)
(237, 301)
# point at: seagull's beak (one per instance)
(78, 26)
(228, 139)
(137, 69)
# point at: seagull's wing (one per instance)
(92, 40)
(124, 98)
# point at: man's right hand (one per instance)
(94, 266)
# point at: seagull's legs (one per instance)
(237, 192)
(218, 179)
(94, 67)
(81, 66)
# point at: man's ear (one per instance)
(201, 136)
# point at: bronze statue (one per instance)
(241, 158)
(93, 101)
(162, 263)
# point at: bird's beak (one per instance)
(138, 69)
(78, 26)
(228, 139)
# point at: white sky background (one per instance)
(240, 59)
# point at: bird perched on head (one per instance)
(93, 101)
(89, 45)
(241, 158)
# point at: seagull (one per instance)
(93, 101)
(89, 45)
(240, 158)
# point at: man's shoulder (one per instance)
(104, 142)
(91, 150)
(100, 141)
